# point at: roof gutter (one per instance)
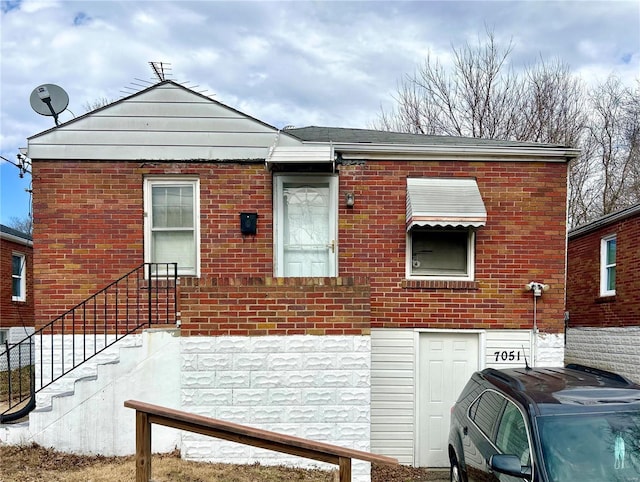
(604, 221)
(16, 239)
(453, 152)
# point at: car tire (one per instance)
(455, 474)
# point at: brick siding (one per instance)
(584, 303)
(15, 313)
(89, 231)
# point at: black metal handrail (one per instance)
(146, 295)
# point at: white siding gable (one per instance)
(165, 122)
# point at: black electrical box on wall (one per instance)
(248, 223)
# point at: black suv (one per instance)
(573, 424)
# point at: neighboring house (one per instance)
(603, 293)
(337, 284)
(16, 288)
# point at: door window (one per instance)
(305, 220)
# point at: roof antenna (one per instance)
(159, 70)
(526, 362)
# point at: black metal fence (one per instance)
(143, 297)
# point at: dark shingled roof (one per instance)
(604, 221)
(14, 232)
(369, 136)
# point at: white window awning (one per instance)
(444, 202)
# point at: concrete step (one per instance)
(88, 370)
(81, 416)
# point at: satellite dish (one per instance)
(49, 99)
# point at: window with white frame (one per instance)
(18, 277)
(442, 253)
(441, 220)
(172, 214)
(608, 266)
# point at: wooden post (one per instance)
(345, 469)
(143, 447)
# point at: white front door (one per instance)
(446, 362)
(305, 225)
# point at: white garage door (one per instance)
(446, 361)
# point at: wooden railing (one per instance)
(147, 414)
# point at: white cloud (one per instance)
(144, 19)
(301, 63)
(37, 6)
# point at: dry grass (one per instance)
(33, 463)
(20, 379)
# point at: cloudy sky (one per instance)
(299, 63)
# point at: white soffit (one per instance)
(444, 202)
(304, 154)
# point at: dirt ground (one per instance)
(33, 463)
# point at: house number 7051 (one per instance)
(507, 355)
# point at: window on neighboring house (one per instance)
(172, 223)
(608, 266)
(441, 252)
(19, 277)
(4, 335)
(441, 220)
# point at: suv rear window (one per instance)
(486, 410)
(512, 434)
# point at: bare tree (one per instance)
(24, 225)
(479, 95)
(476, 99)
(96, 104)
(551, 108)
(611, 147)
(583, 191)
